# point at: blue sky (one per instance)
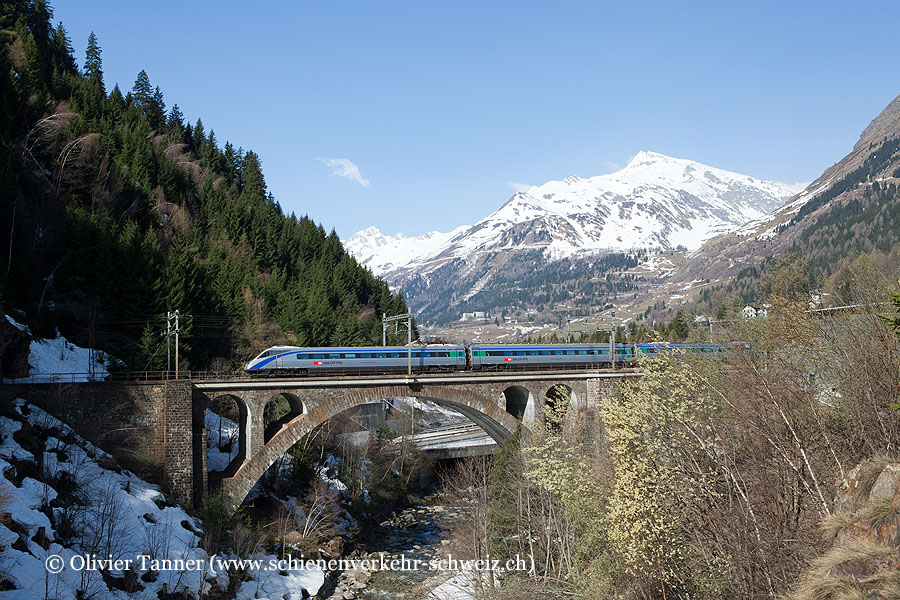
(441, 105)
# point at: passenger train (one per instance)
(292, 360)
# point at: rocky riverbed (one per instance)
(398, 563)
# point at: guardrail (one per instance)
(156, 376)
(123, 376)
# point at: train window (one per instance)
(557, 353)
(507, 353)
(380, 355)
(395, 355)
(334, 356)
(302, 357)
(350, 355)
(365, 355)
(544, 352)
(317, 356)
(570, 352)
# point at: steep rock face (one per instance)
(656, 203)
(864, 560)
(852, 205)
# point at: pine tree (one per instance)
(175, 122)
(33, 64)
(157, 109)
(116, 102)
(61, 51)
(199, 137)
(93, 64)
(151, 354)
(251, 174)
(142, 92)
(39, 17)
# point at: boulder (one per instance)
(864, 559)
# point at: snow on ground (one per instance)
(108, 511)
(426, 406)
(18, 326)
(222, 444)
(383, 253)
(332, 464)
(59, 360)
(655, 201)
(459, 587)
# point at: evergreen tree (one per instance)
(157, 109)
(33, 63)
(254, 185)
(39, 17)
(151, 354)
(93, 64)
(175, 122)
(116, 103)
(61, 50)
(142, 92)
(198, 138)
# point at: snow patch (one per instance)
(124, 516)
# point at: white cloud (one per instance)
(611, 166)
(344, 167)
(519, 187)
(796, 188)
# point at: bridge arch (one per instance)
(280, 410)
(494, 419)
(558, 401)
(222, 406)
(519, 402)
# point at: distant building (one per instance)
(751, 312)
(475, 316)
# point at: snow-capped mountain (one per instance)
(383, 253)
(656, 203)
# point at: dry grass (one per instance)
(820, 583)
(880, 513)
(834, 523)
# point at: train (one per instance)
(434, 358)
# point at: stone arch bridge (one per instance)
(157, 429)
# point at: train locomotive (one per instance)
(297, 361)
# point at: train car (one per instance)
(516, 356)
(292, 360)
(655, 349)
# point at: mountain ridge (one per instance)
(655, 203)
(540, 201)
(861, 181)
